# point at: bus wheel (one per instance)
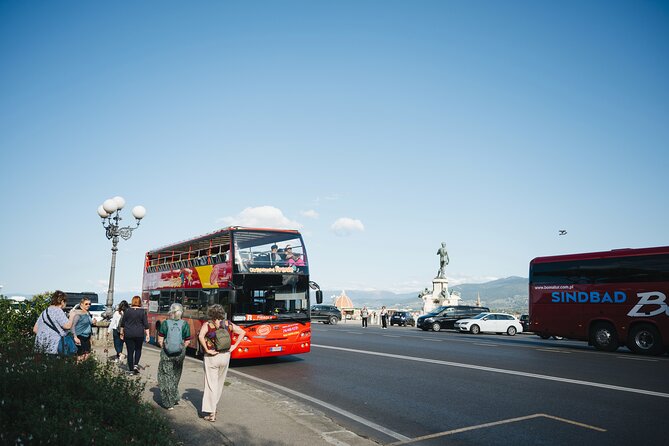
(475, 329)
(645, 340)
(604, 337)
(511, 331)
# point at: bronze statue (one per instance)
(443, 261)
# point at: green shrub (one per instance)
(19, 322)
(51, 400)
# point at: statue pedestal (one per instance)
(439, 296)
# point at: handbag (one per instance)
(66, 345)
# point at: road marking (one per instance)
(391, 336)
(496, 423)
(486, 345)
(433, 340)
(632, 358)
(503, 371)
(328, 406)
(552, 350)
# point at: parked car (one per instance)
(402, 318)
(328, 314)
(490, 323)
(445, 317)
(525, 321)
(97, 311)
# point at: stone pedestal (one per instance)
(439, 296)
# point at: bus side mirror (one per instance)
(319, 297)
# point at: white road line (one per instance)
(634, 358)
(391, 336)
(487, 345)
(432, 340)
(503, 371)
(552, 350)
(496, 423)
(328, 406)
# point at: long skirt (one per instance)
(215, 371)
(169, 375)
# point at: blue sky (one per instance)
(377, 128)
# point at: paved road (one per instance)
(406, 386)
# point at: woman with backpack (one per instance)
(173, 335)
(215, 338)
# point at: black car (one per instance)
(525, 322)
(402, 318)
(328, 314)
(445, 317)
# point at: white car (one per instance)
(490, 323)
(97, 311)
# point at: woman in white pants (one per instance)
(216, 356)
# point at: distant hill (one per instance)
(508, 294)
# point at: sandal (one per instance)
(211, 417)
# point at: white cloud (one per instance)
(261, 217)
(346, 226)
(310, 213)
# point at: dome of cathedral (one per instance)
(343, 301)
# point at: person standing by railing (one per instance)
(364, 314)
(384, 317)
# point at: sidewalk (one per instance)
(247, 414)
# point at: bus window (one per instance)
(164, 301)
(191, 300)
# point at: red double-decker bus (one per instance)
(260, 276)
(609, 298)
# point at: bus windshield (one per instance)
(286, 303)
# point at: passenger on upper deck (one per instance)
(293, 259)
(274, 257)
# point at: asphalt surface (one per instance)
(248, 414)
(454, 388)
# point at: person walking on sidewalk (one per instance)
(113, 328)
(173, 335)
(133, 323)
(215, 338)
(384, 317)
(364, 314)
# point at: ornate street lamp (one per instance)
(110, 213)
